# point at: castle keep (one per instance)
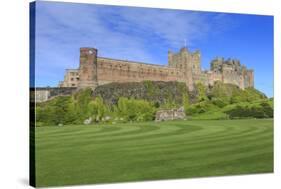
(183, 66)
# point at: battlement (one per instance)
(221, 65)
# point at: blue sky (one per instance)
(146, 35)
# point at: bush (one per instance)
(82, 99)
(223, 91)
(219, 102)
(135, 110)
(201, 91)
(267, 109)
(247, 110)
(201, 107)
(247, 95)
(97, 109)
(59, 110)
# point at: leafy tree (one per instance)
(245, 110)
(135, 110)
(63, 110)
(59, 110)
(267, 109)
(219, 102)
(223, 92)
(97, 109)
(201, 92)
(82, 99)
(201, 107)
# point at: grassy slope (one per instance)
(147, 151)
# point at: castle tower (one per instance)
(196, 63)
(185, 62)
(88, 68)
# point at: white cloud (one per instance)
(117, 32)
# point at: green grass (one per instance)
(71, 155)
(210, 115)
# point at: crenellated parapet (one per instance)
(185, 59)
(231, 71)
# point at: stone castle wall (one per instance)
(111, 70)
(184, 66)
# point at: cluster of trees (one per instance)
(221, 101)
(134, 110)
(247, 110)
(77, 108)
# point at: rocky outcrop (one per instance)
(157, 92)
(172, 114)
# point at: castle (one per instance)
(184, 66)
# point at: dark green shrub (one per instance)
(59, 110)
(267, 109)
(219, 102)
(257, 110)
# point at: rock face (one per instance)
(172, 114)
(157, 92)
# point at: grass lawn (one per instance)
(71, 155)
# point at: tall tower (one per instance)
(187, 62)
(88, 68)
(196, 62)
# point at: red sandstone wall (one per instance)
(110, 70)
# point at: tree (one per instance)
(135, 110)
(82, 99)
(97, 109)
(59, 110)
(201, 92)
